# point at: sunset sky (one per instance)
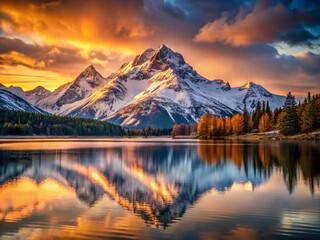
(273, 43)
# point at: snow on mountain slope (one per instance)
(18, 91)
(249, 94)
(11, 101)
(69, 95)
(157, 84)
(33, 96)
(36, 95)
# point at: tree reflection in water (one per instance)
(296, 161)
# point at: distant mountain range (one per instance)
(156, 89)
(11, 101)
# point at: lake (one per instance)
(159, 189)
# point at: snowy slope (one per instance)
(248, 94)
(33, 96)
(12, 102)
(69, 95)
(156, 89)
(18, 91)
(36, 95)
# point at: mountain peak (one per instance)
(253, 89)
(157, 59)
(38, 89)
(163, 47)
(248, 85)
(89, 73)
(90, 68)
(162, 52)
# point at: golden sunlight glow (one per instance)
(158, 189)
(31, 78)
(32, 197)
(246, 186)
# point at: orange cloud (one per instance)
(54, 22)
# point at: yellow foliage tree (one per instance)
(237, 123)
(264, 123)
(203, 126)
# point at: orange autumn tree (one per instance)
(203, 126)
(264, 123)
(213, 126)
(237, 123)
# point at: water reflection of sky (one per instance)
(124, 189)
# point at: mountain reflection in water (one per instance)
(156, 182)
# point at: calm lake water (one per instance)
(163, 189)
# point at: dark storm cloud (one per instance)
(299, 36)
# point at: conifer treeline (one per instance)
(26, 123)
(290, 119)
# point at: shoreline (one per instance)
(252, 136)
(262, 137)
(277, 136)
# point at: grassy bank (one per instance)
(261, 136)
(277, 136)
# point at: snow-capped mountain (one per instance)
(36, 95)
(33, 96)
(18, 91)
(71, 95)
(11, 101)
(156, 89)
(67, 96)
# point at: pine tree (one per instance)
(268, 110)
(317, 112)
(308, 117)
(290, 122)
(274, 118)
(305, 120)
(256, 115)
(246, 119)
